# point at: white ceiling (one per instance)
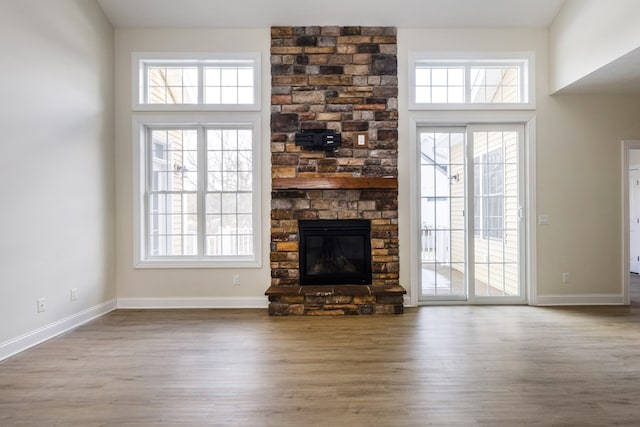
(619, 77)
(266, 13)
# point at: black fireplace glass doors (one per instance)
(335, 252)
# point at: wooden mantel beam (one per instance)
(346, 183)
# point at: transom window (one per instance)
(466, 81)
(205, 82)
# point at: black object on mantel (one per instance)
(318, 139)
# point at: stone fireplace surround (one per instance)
(344, 79)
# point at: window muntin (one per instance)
(196, 82)
(439, 84)
(464, 81)
(228, 85)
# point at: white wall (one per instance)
(579, 186)
(195, 286)
(578, 168)
(56, 162)
(588, 34)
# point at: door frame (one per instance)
(627, 145)
(466, 118)
(634, 171)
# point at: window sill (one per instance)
(195, 107)
(196, 263)
(472, 107)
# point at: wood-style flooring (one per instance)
(440, 366)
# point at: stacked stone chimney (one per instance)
(343, 79)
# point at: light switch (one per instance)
(361, 139)
(543, 219)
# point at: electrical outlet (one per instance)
(42, 305)
(74, 294)
(236, 279)
(565, 277)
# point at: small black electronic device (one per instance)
(318, 139)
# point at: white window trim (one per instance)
(140, 122)
(475, 58)
(139, 59)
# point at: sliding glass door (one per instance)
(471, 204)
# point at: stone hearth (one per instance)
(343, 79)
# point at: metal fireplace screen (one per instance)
(335, 252)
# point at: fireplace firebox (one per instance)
(335, 252)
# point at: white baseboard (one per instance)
(204, 302)
(588, 299)
(33, 338)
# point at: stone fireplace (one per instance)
(342, 79)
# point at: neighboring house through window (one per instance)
(489, 195)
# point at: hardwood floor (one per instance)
(462, 365)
